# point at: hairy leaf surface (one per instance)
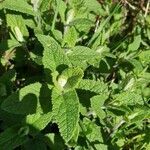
(70, 78)
(25, 101)
(93, 86)
(66, 112)
(18, 5)
(53, 54)
(18, 27)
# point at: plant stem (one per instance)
(55, 17)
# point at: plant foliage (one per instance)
(74, 74)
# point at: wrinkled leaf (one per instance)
(66, 112)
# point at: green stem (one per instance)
(55, 17)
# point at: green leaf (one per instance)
(145, 75)
(93, 86)
(139, 114)
(73, 140)
(94, 135)
(10, 139)
(127, 83)
(145, 57)
(135, 44)
(70, 37)
(45, 5)
(53, 54)
(9, 44)
(57, 35)
(66, 112)
(97, 103)
(70, 78)
(128, 98)
(30, 23)
(61, 9)
(25, 101)
(81, 56)
(18, 5)
(18, 27)
(39, 121)
(82, 24)
(146, 92)
(94, 6)
(138, 66)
